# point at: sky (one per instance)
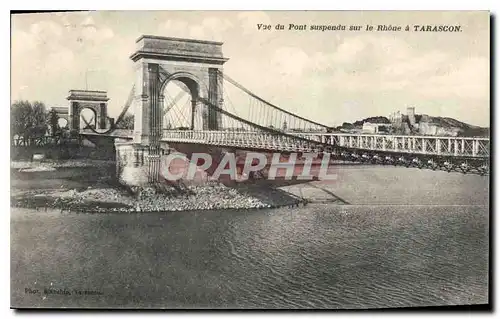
(330, 77)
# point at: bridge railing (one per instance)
(249, 139)
(428, 145)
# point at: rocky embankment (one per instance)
(71, 191)
(52, 165)
(215, 196)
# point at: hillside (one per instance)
(359, 124)
(445, 122)
(465, 129)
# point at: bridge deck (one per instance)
(413, 144)
(122, 133)
(469, 147)
(427, 145)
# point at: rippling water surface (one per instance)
(321, 255)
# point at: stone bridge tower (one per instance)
(96, 101)
(159, 60)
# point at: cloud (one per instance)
(174, 28)
(348, 51)
(60, 61)
(61, 32)
(466, 78)
(215, 27)
(249, 20)
(46, 30)
(366, 70)
(376, 64)
(321, 71)
(431, 62)
(289, 61)
(55, 51)
(88, 22)
(210, 28)
(91, 33)
(23, 42)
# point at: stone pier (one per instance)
(133, 165)
(159, 60)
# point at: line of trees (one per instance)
(31, 123)
(28, 122)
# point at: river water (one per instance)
(324, 255)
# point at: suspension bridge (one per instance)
(211, 108)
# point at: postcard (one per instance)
(250, 160)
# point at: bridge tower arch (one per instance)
(196, 90)
(97, 101)
(160, 60)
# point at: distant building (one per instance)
(415, 124)
(410, 112)
(375, 128)
(396, 118)
(61, 111)
(62, 114)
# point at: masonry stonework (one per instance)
(158, 61)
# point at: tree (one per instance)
(19, 119)
(28, 121)
(38, 121)
(127, 122)
(53, 122)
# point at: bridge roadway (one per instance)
(444, 153)
(437, 152)
(428, 145)
(470, 147)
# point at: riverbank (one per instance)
(87, 186)
(90, 186)
(105, 200)
(40, 165)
